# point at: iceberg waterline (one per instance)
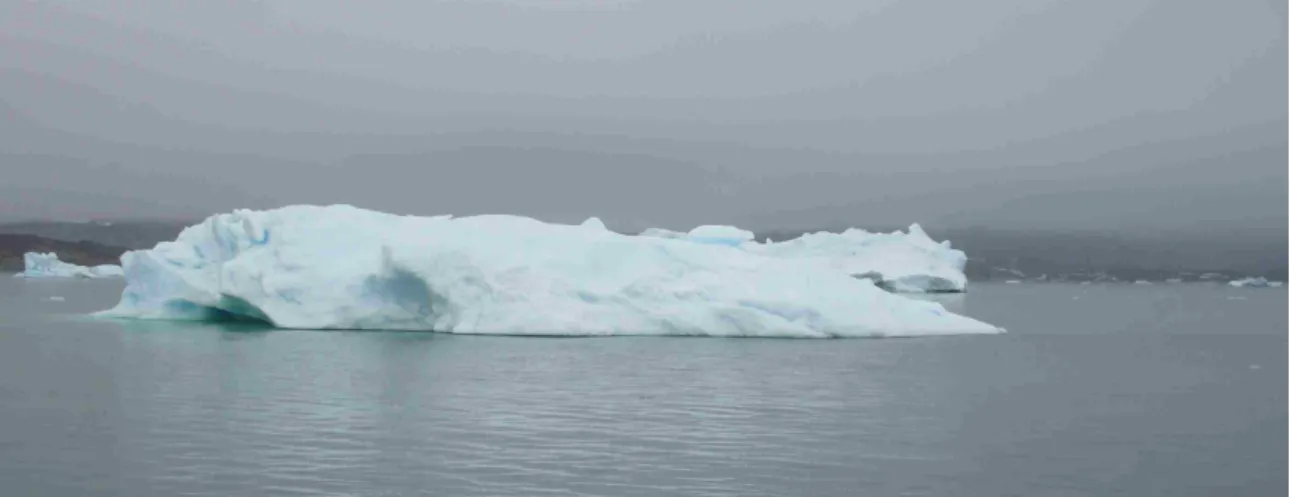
(340, 267)
(47, 265)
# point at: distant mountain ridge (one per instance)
(85, 253)
(124, 234)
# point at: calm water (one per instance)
(1166, 390)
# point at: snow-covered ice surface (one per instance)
(1257, 282)
(900, 262)
(340, 267)
(47, 265)
(707, 234)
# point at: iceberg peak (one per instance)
(594, 223)
(720, 235)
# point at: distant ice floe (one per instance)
(341, 267)
(47, 265)
(1257, 282)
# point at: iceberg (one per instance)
(341, 267)
(47, 265)
(1257, 282)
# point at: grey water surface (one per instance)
(1097, 390)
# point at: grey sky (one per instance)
(1123, 115)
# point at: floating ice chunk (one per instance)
(47, 265)
(106, 271)
(1257, 282)
(341, 267)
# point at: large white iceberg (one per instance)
(340, 267)
(47, 265)
(899, 262)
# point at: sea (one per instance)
(1095, 390)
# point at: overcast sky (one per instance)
(1073, 115)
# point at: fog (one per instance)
(1129, 116)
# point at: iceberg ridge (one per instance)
(898, 262)
(908, 262)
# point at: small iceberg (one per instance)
(341, 267)
(1257, 282)
(47, 265)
